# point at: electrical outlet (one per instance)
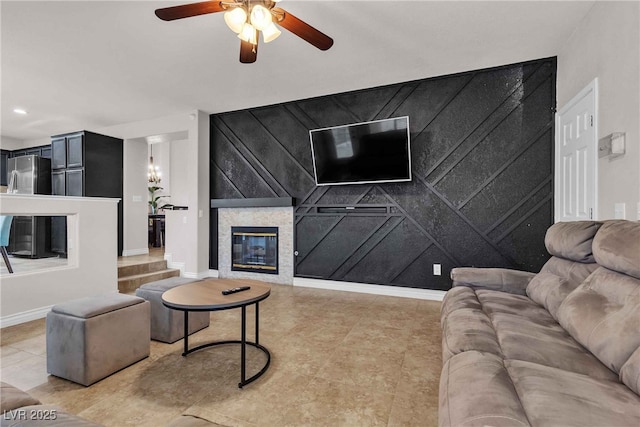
(619, 211)
(437, 270)
(137, 198)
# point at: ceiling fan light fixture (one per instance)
(270, 33)
(235, 19)
(260, 17)
(248, 34)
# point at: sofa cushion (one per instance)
(557, 278)
(496, 279)
(617, 247)
(630, 372)
(554, 397)
(603, 315)
(12, 398)
(458, 298)
(572, 240)
(543, 341)
(468, 329)
(475, 390)
(501, 302)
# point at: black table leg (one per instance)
(243, 347)
(186, 333)
(257, 322)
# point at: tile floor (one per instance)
(338, 359)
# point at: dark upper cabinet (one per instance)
(58, 183)
(75, 182)
(46, 152)
(4, 157)
(58, 153)
(87, 164)
(18, 153)
(75, 151)
(42, 151)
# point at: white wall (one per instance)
(606, 45)
(189, 248)
(92, 225)
(136, 195)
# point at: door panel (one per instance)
(576, 158)
(58, 187)
(75, 186)
(75, 157)
(58, 153)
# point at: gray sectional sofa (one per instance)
(20, 409)
(556, 348)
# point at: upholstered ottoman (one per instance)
(91, 338)
(167, 325)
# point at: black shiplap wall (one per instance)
(482, 189)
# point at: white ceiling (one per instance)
(91, 64)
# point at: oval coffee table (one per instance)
(206, 295)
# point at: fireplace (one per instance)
(254, 249)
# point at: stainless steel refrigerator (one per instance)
(30, 235)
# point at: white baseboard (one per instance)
(200, 275)
(133, 252)
(365, 288)
(177, 265)
(25, 316)
(214, 273)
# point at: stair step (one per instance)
(129, 284)
(142, 268)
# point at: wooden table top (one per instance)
(206, 295)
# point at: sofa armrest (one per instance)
(496, 279)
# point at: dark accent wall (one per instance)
(482, 188)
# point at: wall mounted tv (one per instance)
(362, 153)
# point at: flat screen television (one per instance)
(361, 153)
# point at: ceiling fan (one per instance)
(249, 17)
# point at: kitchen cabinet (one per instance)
(42, 151)
(4, 157)
(91, 165)
(58, 153)
(58, 187)
(74, 182)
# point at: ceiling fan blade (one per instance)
(188, 10)
(248, 52)
(302, 29)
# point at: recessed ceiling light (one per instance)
(19, 111)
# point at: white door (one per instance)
(577, 157)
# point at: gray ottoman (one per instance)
(167, 325)
(91, 338)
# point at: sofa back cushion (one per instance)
(572, 240)
(557, 279)
(617, 247)
(603, 315)
(630, 372)
(572, 262)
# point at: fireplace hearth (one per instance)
(254, 249)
